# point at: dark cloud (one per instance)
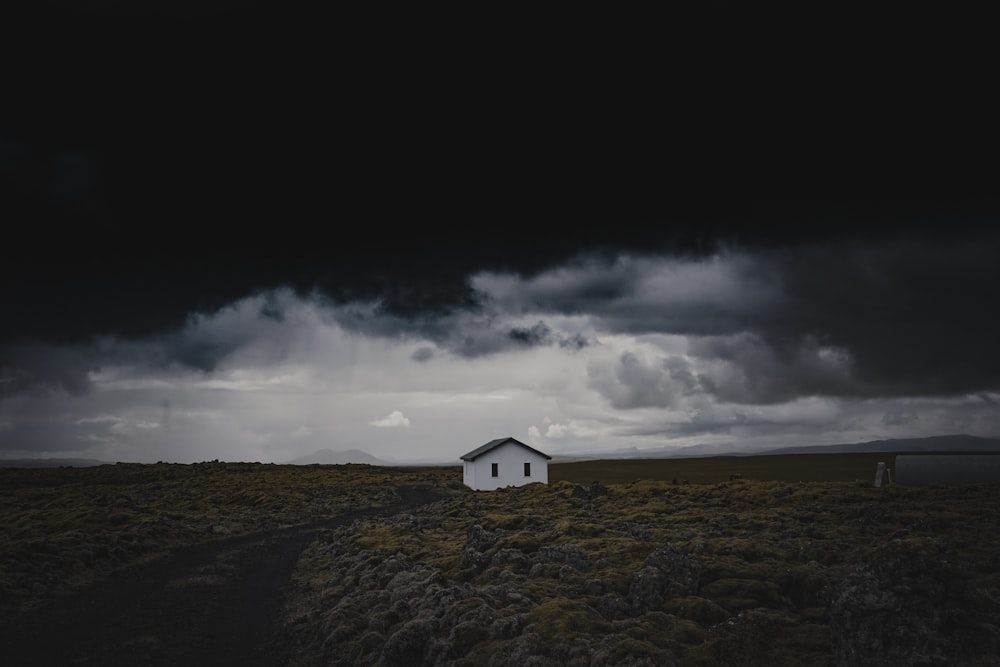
(128, 207)
(272, 310)
(635, 382)
(746, 369)
(42, 369)
(203, 344)
(186, 212)
(74, 178)
(199, 353)
(916, 314)
(643, 293)
(146, 187)
(851, 317)
(42, 434)
(900, 315)
(538, 334)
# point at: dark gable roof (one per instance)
(493, 444)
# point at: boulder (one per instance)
(666, 573)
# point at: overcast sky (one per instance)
(210, 254)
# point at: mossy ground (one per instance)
(64, 528)
(641, 568)
(564, 561)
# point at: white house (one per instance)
(504, 462)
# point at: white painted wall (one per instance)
(510, 459)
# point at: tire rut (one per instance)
(213, 603)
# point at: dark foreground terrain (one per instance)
(248, 564)
(170, 565)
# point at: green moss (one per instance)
(767, 549)
(561, 618)
(465, 636)
(527, 541)
(737, 594)
(631, 650)
(493, 521)
(702, 611)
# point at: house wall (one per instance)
(510, 459)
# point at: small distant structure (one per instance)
(883, 476)
(923, 469)
(504, 462)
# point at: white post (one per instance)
(879, 473)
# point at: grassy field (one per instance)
(777, 468)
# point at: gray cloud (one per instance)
(892, 317)
(747, 369)
(917, 316)
(209, 339)
(479, 331)
(575, 341)
(647, 294)
(204, 343)
(45, 369)
(422, 354)
(738, 369)
(701, 416)
(538, 334)
(900, 318)
(635, 382)
(850, 341)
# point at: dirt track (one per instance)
(208, 604)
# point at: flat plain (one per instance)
(784, 560)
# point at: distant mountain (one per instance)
(703, 450)
(937, 443)
(330, 457)
(51, 463)
(690, 451)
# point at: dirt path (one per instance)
(208, 604)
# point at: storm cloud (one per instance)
(282, 280)
(779, 342)
(906, 318)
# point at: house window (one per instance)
(496, 469)
(527, 469)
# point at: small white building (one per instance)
(504, 462)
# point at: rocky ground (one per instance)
(303, 566)
(653, 573)
(169, 565)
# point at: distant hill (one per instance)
(690, 451)
(937, 443)
(51, 463)
(700, 451)
(330, 457)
